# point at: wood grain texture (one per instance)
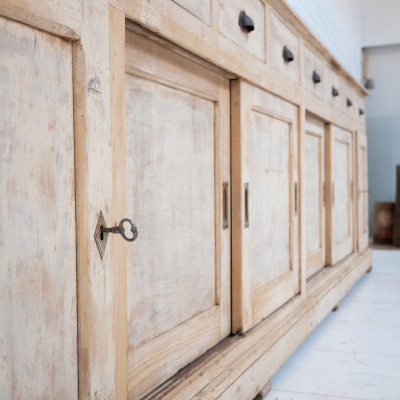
(38, 324)
(265, 145)
(315, 197)
(313, 63)
(362, 191)
(219, 374)
(340, 194)
(280, 36)
(60, 18)
(177, 156)
(199, 8)
(119, 211)
(93, 158)
(255, 41)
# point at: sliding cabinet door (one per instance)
(265, 204)
(314, 193)
(38, 316)
(362, 183)
(173, 162)
(340, 194)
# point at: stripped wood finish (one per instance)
(315, 201)
(265, 190)
(38, 324)
(362, 191)
(340, 194)
(176, 163)
(152, 143)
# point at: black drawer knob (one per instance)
(245, 22)
(349, 102)
(316, 77)
(335, 92)
(287, 55)
(360, 111)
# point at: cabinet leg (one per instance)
(369, 269)
(264, 391)
(336, 307)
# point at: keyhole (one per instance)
(101, 233)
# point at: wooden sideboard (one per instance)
(239, 152)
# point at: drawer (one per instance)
(199, 8)
(254, 41)
(348, 101)
(359, 109)
(333, 93)
(314, 76)
(282, 39)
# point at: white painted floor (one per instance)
(355, 351)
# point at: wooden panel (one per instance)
(265, 147)
(383, 222)
(61, 18)
(362, 192)
(199, 8)
(177, 158)
(253, 42)
(313, 63)
(38, 324)
(280, 36)
(348, 101)
(315, 211)
(340, 194)
(332, 81)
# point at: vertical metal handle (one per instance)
(333, 194)
(246, 205)
(225, 218)
(295, 199)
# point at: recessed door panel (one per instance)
(265, 197)
(341, 192)
(270, 198)
(38, 305)
(177, 168)
(314, 190)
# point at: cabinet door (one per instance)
(38, 321)
(314, 191)
(265, 192)
(175, 158)
(362, 182)
(340, 241)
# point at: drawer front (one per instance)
(253, 41)
(359, 109)
(314, 76)
(333, 93)
(347, 100)
(199, 8)
(281, 38)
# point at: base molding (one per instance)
(242, 365)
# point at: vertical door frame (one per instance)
(334, 251)
(361, 188)
(312, 120)
(118, 247)
(248, 307)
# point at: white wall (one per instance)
(381, 22)
(337, 24)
